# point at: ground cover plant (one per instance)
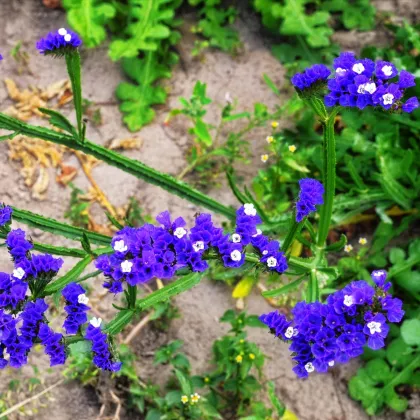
(290, 235)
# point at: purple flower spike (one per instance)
(313, 74)
(60, 42)
(5, 214)
(311, 194)
(410, 105)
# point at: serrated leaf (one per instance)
(60, 121)
(88, 19)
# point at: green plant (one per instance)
(78, 209)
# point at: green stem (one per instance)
(329, 164)
(131, 166)
(312, 292)
(74, 71)
(294, 230)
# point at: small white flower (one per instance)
(249, 209)
(340, 71)
(295, 332)
(292, 148)
(265, 252)
(309, 367)
(180, 232)
(236, 238)
(259, 231)
(370, 87)
(62, 31)
(67, 37)
(348, 248)
(120, 246)
(348, 300)
(83, 299)
(198, 246)
(236, 255)
(96, 322)
(387, 70)
(264, 158)
(361, 88)
(374, 327)
(19, 273)
(358, 68)
(126, 266)
(271, 262)
(388, 98)
(228, 98)
(289, 332)
(331, 363)
(362, 241)
(378, 273)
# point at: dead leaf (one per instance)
(129, 143)
(67, 174)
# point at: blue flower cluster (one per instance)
(336, 331)
(53, 343)
(59, 42)
(141, 254)
(76, 307)
(18, 245)
(311, 76)
(360, 83)
(12, 291)
(103, 355)
(5, 214)
(311, 194)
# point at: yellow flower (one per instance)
(241, 340)
(252, 356)
(194, 398)
(362, 241)
(184, 399)
(206, 379)
(238, 358)
(348, 248)
(270, 139)
(274, 124)
(264, 158)
(292, 148)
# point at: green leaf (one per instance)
(170, 290)
(137, 100)
(69, 277)
(185, 383)
(148, 25)
(122, 319)
(410, 332)
(284, 289)
(60, 121)
(271, 84)
(277, 404)
(88, 19)
(202, 132)
(80, 347)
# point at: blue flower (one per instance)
(5, 214)
(311, 194)
(385, 70)
(76, 307)
(53, 343)
(18, 245)
(60, 42)
(323, 334)
(103, 356)
(312, 75)
(12, 291)
(410, 105)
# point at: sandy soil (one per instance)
(321, 397)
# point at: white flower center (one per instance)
(96, 322)
(271, 262)
(374, 327)
(19, 273)
(62, 31)
(295, 332)
(265, 252)
(331, 363)
(126, 266)
(358, 68)
(120, 246)
(388, 98)
(289, 332)
(198, 246)
(180, 232)
(236, 255)
(83, 299)
(236, 238)
(249, 209)
(348, 300)
(340, 71)
(259, 231)
(309, 367)
(367, 87)
(378, 273)
(387, 70)
(67, 37)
